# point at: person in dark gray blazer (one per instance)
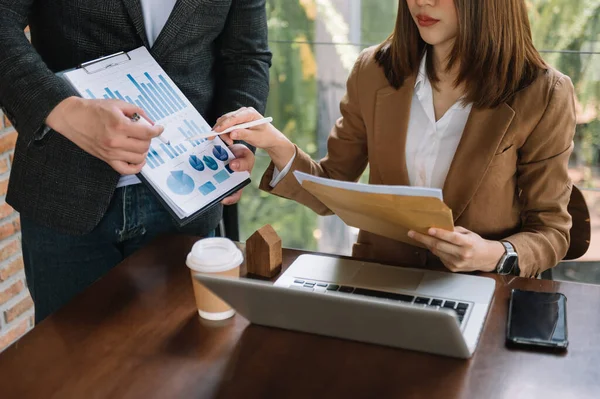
(81, 211)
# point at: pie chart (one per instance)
(220, 153)
(196, 163)
(210, 162)
(180, 183)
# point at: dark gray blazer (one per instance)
(215, 50)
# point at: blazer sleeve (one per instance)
(29, 91)
(244, 59)
(346, 157)
(542, 177)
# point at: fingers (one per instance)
(244, 158)
(125, 168)
(122, 124)
(129, 157)
(242, 115)
(232, 199)
(462, 230)
(247, 135)
(453, 237)
(225, 137)
(240, 150)
(130, 109)
(146, 117)
(435, 245)
(141, 131)
(130, 144)
(222, 118)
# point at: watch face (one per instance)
(509, 264)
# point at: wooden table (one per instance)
(136, 334)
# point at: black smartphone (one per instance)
(537, 319)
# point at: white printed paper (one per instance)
(372, 188)
(188, 175)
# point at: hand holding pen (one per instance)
(262, 135)
(247, 125)
(136, 117)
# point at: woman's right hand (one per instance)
(265, 136)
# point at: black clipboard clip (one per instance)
(103, 63)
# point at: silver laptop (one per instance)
(435, 312)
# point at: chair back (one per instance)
(581, 229)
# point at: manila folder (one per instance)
(387, 215)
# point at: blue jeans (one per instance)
(59, 266)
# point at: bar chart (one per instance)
(190, 129)
(155, 96)
(154, 159)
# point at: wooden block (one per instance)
(263, 252)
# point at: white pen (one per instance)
(135, 117)
(246, 125)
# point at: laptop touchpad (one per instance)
(388, 278)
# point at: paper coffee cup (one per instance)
(219, 257)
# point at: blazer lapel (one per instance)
(481, 138)
(392, 113)
(134, 8)
(181, 12)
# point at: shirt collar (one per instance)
(422, 77)
(423, 86)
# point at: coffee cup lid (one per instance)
(214, 255)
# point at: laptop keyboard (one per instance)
(460, 308)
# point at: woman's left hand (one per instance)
(461, 250)
(243, 162)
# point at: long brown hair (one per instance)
(493, 47)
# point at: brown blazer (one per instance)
(508, 179)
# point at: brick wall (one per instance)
(16, 307)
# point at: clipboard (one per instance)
(172, 173)
(184, 221)
(384, 214)
(98, 64)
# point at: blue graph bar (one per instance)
(153, 152)
(106, 96)
(168, 152)
(89, 92)
(162, 78)
(176, 105)
(157, 100)
(147, 108)
(167, 96)
(187, 135)
(151, 161)
(183, 132)
(197, 128)
(110, 93)
(144, 95)
(182, 148)
(159, 93)
(119, 96)
(153, 101)
(189, 125)
(130, 101)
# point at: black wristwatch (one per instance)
(509, 262)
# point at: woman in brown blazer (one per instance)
(456, 98)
